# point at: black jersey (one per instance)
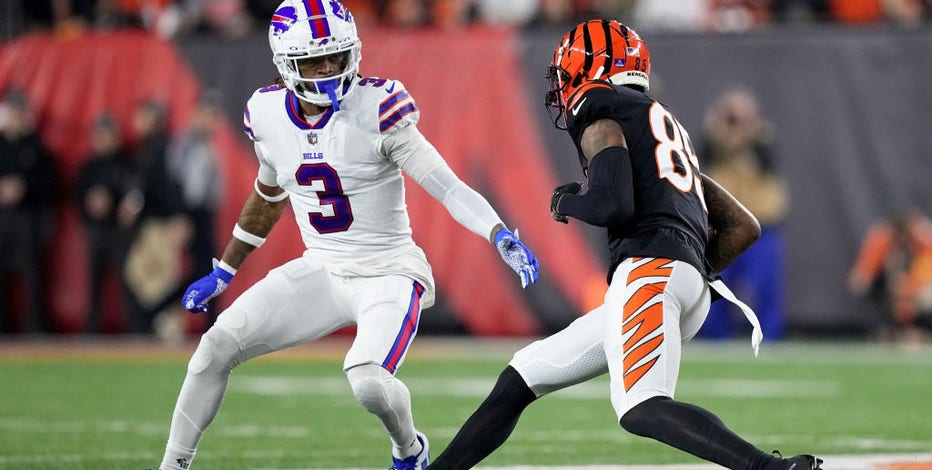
(670, 219)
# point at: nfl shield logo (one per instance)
(312, 138)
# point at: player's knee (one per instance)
(370, 385)
(641, 419)
(216, 353)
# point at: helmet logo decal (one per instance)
(633, 51)
(620, 62)
(340, 11)
(283, 19)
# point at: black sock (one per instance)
(694, 430)
(489, 426)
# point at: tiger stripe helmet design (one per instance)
(595, 50)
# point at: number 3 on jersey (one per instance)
(676, 161)
(323, 176)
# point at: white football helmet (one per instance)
(302, 29)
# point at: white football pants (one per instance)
(652, 306)
(294, 304)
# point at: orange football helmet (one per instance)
(595, 50)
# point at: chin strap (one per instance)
(330, 87)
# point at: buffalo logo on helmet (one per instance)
(340, 11)
(283, 19)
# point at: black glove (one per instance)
(568, 188)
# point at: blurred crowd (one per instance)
(237, 18)
(893, 269)
(146, 200)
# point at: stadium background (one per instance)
(849, 106)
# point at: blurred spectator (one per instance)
(406, 13)
(27, 187)
(894, 266)
(738, 15)
(907, 13)
(737, 152)
(450, 14)
(856, 11)
(195, 167)
(153, 264)
(151, 130)
(673, 15)
(109, 201)
(514, 12)
(229, 18)
(554, 12)
(799, 11)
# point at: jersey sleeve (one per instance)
(409, 150)
(595, 100)
(267, 174)
(247, 124)
(398, 109)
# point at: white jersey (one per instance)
(348, 197)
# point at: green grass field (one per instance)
(106, 407)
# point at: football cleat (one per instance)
(800, 462)
(414, 462)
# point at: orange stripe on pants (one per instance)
(642, 322)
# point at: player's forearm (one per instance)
(257, 218)
(734, 228)
(464, 204)
(609, 201)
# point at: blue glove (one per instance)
(202, 290)
(517, 256)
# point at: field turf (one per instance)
(108, 404)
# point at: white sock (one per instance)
(177, 458)
(406, 451)
(388, 398)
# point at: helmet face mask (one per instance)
(595, 50)
(554, 98)
(301, 37)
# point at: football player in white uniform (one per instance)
(335, 144)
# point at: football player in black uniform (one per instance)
(644, 185)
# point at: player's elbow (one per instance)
(749, 229)
(609, 212)
(618, 213)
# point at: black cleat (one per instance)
(800, 462)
